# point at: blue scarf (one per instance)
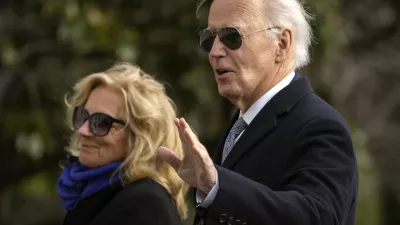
(77, 181)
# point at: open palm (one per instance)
(196, 168)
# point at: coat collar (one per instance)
(264, 122)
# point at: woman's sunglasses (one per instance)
(229, 36)
(99, 123)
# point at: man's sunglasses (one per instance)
(229, 36)
(99, 123)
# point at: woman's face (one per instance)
(95, 150)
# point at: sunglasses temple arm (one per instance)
(270, 28)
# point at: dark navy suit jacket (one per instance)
(142, 202)
(293, 165)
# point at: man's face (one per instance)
(247, 70)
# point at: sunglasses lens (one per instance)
(79, 118)
(206, 40)
(100, 124)
(230, 37)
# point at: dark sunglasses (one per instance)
(99, 123)
(229, 36)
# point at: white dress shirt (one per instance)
(206, 200)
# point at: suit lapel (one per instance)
(88, 208)
(265, 121)
(262, 124)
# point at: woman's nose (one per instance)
(84, 129)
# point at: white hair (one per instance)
(292, 15)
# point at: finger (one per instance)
(197, 150)
(201, 152)
(185, 126)
(176, 121)
(169, 156)
(182, 123)
(180, 130)
(190, 137)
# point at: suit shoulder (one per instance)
(312, 107)
(145, 188)
(141, 202)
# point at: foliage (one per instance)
(47, 45)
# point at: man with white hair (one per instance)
(287, 156)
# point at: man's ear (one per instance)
(285, 41)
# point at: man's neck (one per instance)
(247, 101)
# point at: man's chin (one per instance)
(227, 92)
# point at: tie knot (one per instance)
(239, 126)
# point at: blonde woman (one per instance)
(113, 175)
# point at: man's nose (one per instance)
(218, 49)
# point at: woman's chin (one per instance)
(88, 161)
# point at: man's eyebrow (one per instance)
(234, 25)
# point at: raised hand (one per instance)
(196, 168)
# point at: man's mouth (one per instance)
(221, 71)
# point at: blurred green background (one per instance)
(46, 45)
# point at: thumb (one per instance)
(169, 156)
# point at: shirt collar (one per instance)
(254, 109)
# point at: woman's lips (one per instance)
(88, 147)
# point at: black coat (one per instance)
(143, 202)
(293, 165)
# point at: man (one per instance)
(287, 156)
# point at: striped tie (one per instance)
(237, 128)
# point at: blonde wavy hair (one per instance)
(149, 114)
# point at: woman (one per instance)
(113, 175)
